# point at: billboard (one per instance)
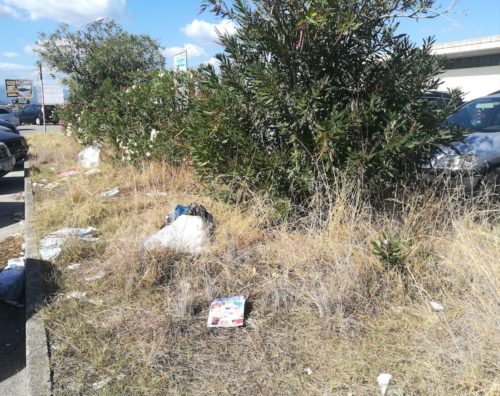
(53, 95)
(181, 61)
(19, 88)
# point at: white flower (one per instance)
(154, 134)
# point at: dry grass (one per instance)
(317, 298)
(10, 247)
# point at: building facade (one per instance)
(473, 66)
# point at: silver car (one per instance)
(477, 158)
(7, 160)
(7, 115)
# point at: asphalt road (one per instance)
(12, 320)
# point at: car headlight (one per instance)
(456, 162)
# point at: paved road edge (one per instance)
(38, 376)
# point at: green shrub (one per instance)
(309, 88)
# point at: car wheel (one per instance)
(38, 121)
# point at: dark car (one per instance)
(32, 114)
(16, 143)
(9, 126)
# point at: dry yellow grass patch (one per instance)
(318, 298)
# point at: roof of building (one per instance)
(474, 47)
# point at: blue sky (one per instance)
(177, 24)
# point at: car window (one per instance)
(3, 111)
(482, 115)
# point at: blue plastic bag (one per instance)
(12, 286)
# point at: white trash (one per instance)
(73, 266)
(383, 382)
(52, 244)
(95, 277)
(189, 234)
(78, 295)
(437, 307)
(15, 263)
(111, 193)
(89, 157)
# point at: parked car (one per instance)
(9, 126)
(16, 143)
(7, 115)
(7, 160)
(475, 160)
(32, 114)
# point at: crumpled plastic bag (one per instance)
(89, 157)
(188, 234)
(52, 244)
(12, 286)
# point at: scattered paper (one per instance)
(76, 294)
(308, 371)
(52, 244)
(227, 312)
(95, 277)
(89, 157)
(69, 172)
(101, 384)
(15, 263)
(383, 382)
(51, 186)
(74, 266)
(111, 193)
(93, 171)
(436, 306)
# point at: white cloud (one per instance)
(10, 54)
(15, 67)
(208, 32)
(29, 49)
(75, 12)
(193, 51)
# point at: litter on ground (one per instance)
(111, 193)
(89, 157)
(101, 384)
(308, 371)
(51, 186)
(69, 172)
(76, 295)
(383, 382)
(436, 306)
(52, 244)
(74, 266)
(12, 286)
(95, 277)
(227, 312)
(15, 263)
(93, 171)
(188, 229)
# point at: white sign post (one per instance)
(181, 61)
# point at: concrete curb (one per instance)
(38, 378)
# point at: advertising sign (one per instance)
(19, 88)
(181, 61)
(53, 94)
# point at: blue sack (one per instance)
(12, 285)
(181, 210)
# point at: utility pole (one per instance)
(43, 98)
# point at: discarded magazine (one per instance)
(227, 312)
(52, 244)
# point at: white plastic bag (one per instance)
(89, 157)
(189, 234)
